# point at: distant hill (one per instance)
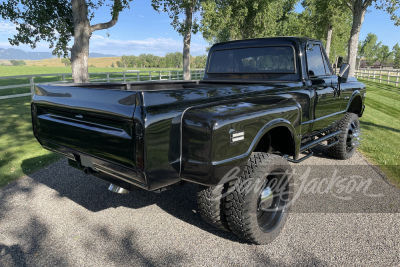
(92, 55)
(12, 53)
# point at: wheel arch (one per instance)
(279, 135)
(355, 104)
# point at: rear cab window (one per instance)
(268, 59)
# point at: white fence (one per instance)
(127, 76)
(386, 76)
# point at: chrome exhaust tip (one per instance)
(117, 189)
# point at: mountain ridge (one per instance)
(18, 54)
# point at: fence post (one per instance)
(380, 76)
(169, 75)
(388, 77)
(159, 73)
(32, 83)
(374, 77)
(124, 77)
(149, 75)
(63, 78)
(397, 79)
(368, 75)
(138, 76)
(108, 77)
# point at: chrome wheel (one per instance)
(353, 137)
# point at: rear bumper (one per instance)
(105, 170)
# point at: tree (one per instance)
(66, 61)
(56, 21)
(368, 49)
(185, 28)
(224, 20)
(384, 55)
(358, 9)
(112, 65)
(328, 21)
(396, 51)
(17, 62)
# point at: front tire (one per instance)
(258, 203)
(348, 138)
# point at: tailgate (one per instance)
(97, 123)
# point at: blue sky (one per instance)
(140, 29)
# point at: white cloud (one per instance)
(156, 46)
(99, 44)
(7, 27)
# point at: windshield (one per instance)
(269, 59)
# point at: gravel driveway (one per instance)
(59, 216)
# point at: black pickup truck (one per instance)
(262, 102)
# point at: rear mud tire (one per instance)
(243, 210)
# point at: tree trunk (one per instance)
(80, 49)
(358, 19)
(186, 43)
(328, 38)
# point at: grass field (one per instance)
(381, 128)
(31, 70)
(26, 70)
(20, 153)
(99, 62)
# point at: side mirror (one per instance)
(344, 72)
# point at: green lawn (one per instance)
(118, 77)
(20, 153)
(381, 128)
(31, 70)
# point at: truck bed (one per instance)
(129, 130)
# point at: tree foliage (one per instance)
(224, 20)
(17, 62)
(368, 48)
(174, 8)
(396, 51)
(372, 51)
(66, 61)
(384, 55)
(50, 21)
(170, 60)
(56, 22)
(358, 9)
(321, 16)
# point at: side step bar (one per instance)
(312, 144)
(318, 141)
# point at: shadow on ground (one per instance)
(92, 194)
